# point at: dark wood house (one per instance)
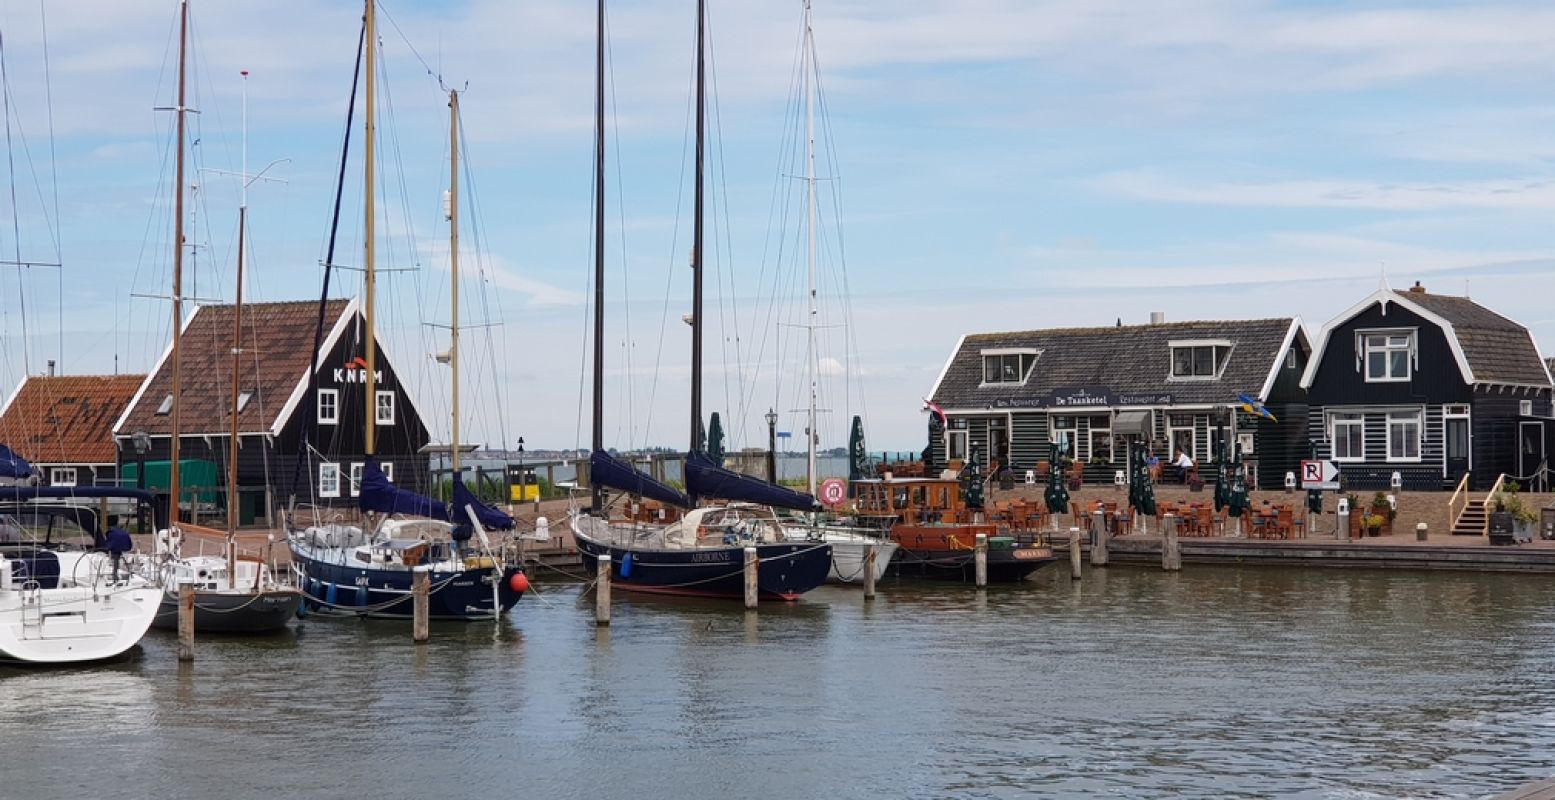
(1431, 387)
(276, 463)
(63, 424)
(1173, 386)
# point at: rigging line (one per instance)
(48, 94)
(851, 328)
(728, 266)
(438, 76)
(478, 231)
(626, 307)
(16, 230)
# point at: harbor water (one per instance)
(1216, 682)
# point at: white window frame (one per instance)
(1290, 358)
(1410, 348)
(1219, 356)
(355, 479)
(1400, 419)
(388, 470)
(166, 407)
(1347, 420)
(1021, 354)
(379, 407)
(1172, 429)
(1090, 441)
(333, 418)
(329, 476)
(243, 398)
(57, 476)
(1525, 408)
(950, 445)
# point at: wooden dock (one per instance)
(1440, 553)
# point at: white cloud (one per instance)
(1536, 193)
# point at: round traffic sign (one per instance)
(834, 491)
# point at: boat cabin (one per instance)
(733, 524)
(912, 500)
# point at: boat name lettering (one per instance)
(363, 581)
(717, 556)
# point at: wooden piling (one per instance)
(602, 591)
(1074, 553)
(752, 566)
(869, 571)
(186, 621)
(980, 560)
(420, 592)
(1099, 546)
(1171, 550)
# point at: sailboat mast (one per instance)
(178, 262)
(597, 500)
(237, 360)
(370, 277)
(696, 244)
(809, 157)
(453, 265)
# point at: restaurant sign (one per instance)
(1086, 396)
(1083, 397)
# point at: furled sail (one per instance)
(378, 494)
(706, 479)
(490, 518)
(12, 466)
(607, 470)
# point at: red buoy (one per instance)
(519, 582)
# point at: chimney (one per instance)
(1417, 288)
(51, 368)
(1158, 318)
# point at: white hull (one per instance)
(86, 617)
(847, 557)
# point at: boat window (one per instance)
(899, 497)
(919, 496)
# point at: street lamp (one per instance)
(771, 446)
(142, 442)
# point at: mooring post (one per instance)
(869, 571)
(1171, 550)
(602, 591)
(420, 592)
(1074, 553)
(1099, 543)
(752, 566)
(186, 620)
(1422, 531)
(980, 560)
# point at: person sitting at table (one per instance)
(1184, 465)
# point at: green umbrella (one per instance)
(972, 481)
(936, 434)
(715, 440)
(858, 457)
(1057, 494)
(1141, 493)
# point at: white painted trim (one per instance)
(151, 375)
(1011, 351)
(1387, 438)
(1468, 420)
(933, 390)
(1385, 296)
(1170, 343)
(319, 407)
(15, 393)
(301, 388)
(1279, 359)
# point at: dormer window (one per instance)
(1199, 360)
(1387, 356)
(166, 407)
(243, 398)
(1008, 365)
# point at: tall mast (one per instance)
(237, 360)
(178, 261)
(370, 278)
(596, 503)
(696, 243)
(809, 157)
(453, 264)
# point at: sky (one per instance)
(983, 165)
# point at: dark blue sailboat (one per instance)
(703, 553)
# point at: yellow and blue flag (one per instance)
(1252, 406)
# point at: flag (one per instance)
(935, 410)
(1252, 406)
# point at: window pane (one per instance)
(1399, 363)
(1182, 361)
(1203, 361)
(990, 369)
(1012, 369)
(1376, 365)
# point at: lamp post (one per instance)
(142, 442)
(771, 446)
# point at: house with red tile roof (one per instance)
(63, 425)
(295, 440)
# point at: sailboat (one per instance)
(848, 543)
(233, 593)
(368, 570)
(703, 552)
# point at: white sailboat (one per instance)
(849, 544)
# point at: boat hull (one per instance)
(787, 569)
(847, 560)
(945, 552)
(94, 619)
(346, 590)
(233, 612)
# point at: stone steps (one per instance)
(1472, 521)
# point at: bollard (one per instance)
(1171, 551)
(602, 591)
(869, 571)
(1422, 531)
(980, 560)
(186, 621)
(752, 565)
(1099, 544)
(1074, 553)
(420, 627)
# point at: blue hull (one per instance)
(786, 570)
(385, 593)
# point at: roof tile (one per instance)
(67, 419)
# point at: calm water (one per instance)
(1216, 682)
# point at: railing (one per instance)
(1459, 501)
(1496, 487)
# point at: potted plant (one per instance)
(1523, 516)
(1374, 523)
(1357, 516)
(1382, 507)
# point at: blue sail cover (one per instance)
(13, 465)
(378, 494)
(706, 479)
(607, 470)
(490, 518)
